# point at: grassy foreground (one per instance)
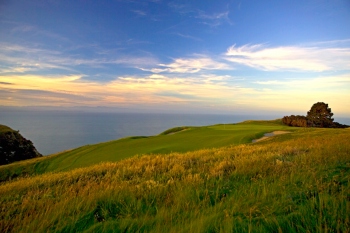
(180, 139)
(295, 182)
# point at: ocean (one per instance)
(55, 131)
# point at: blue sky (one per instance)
(235, 57)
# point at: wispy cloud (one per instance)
(19, 59)
(214, 19)
(188, 36)
(139, 12)
(214, 91)
(8, 48)
(191, 65)
(214, 16)
(21, 69)
(310, 58)
(32, 30)
(180, 8)
(27, 78)
(339, 82)
(152, 89)
(330, 43)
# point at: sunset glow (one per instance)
(167, 56)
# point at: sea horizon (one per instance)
(55, 131)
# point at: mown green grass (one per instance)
(173, 140)
(174, 130)
(296, 182)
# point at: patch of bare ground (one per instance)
(267, 135)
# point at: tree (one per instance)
(14, 147)
(320, 116)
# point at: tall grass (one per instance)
(298, 184)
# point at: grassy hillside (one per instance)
(4, 128)
(180, 139)
(295, 182)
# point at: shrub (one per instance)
(297, 121)
(14, 147)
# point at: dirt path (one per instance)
(267, 135)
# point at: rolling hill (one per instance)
(172, 140)
(297, 182)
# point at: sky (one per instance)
(217, 57)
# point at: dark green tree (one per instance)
(14, 147)
(320, 115)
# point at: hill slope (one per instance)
(4, 129)
(190, 139)
(291, 183)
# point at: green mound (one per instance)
(185, 139)
(174, 130)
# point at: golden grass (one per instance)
(300, 184)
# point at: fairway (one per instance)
(190, 139)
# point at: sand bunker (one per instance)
(267, 135)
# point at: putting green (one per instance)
(189, 139)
